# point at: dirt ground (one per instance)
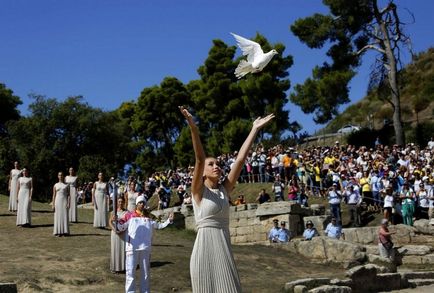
(38, 262)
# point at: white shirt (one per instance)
(140, 230)
(388, 201)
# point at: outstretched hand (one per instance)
(261, 122)
(187, 115)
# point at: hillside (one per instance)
(417, 84)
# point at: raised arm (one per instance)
(233, 175)
(197, 182)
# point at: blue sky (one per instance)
(109, 50)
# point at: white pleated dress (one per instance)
(117, 255)
(100, 214)
(72, 181)
(212, 265)
(13, 192)
(24, 204)
(61, 218)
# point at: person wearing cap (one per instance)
(274, 232)
(284, 235)
(139, 227)
(310, 231)
(334, 230)
(385, 244)
(353, 200)
(334, 199)
(407, 197)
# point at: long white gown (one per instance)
(100, 214)
(13, 193)
(117, 255)
(61, 219)
(212, 265)
(24, 202)
(72, 181)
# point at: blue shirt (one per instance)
(309, 233)
(333, 231)
(274, 234)
(283, 235)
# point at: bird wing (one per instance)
(249, 48)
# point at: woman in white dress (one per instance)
(60, 204)
(117, 255)
(12, 187)
(212, 265)
(71, 180)
(130, 196)
(25, 191)
(100, 202)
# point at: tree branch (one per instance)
(370, 46)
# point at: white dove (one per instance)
(256, 59)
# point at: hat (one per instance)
(275, 221)
(140, 198)
(283, 223)
(334, 184)
(309, 223)
(384, 221)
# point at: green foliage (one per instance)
(8, 107)
(157, 122)
(59, 135)
(351, 28)
(422, 133)
(366, 137)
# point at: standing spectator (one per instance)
(388, 204)
(278, 188)
(284, 235)
(263, 197)
(12, 187)
(180, 191)
(407, 204)
(334, 230)
(334, 199)
(302, 196)
(211, 209)
(353, 201)
(100, 202)
(423, 202)
(60, 204)
(139, 228)
(375, 189)
(71, 180)
(431, 203)
(385, 244)
(117, 244)
(310, 231)
(366, 190)
(292, 190)
(25, 191)
(262, 160)
(274, 232)
(431, 143)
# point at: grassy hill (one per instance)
(417, 85)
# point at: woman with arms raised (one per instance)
(212, 266)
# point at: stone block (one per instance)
(8, 288)
(331, 289)
(388, 281)
(423, 226)
(414, 250)
(278, 208)
(241, 207)
(190, 223)
(300, 289)
(252, 206)
(428, 259)
(412, 259)
(309, 283)
(364, 235)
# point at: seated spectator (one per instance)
(302, 196)
(273, 235)
(283, 235)
(263, 197)
(292, 191)
(187, 198)
(334, 230)
(310, 231)
(240, 200)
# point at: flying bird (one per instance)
(256, 59)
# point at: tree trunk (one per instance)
(392, 77)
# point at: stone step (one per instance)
(418, 275)
(420, 282)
